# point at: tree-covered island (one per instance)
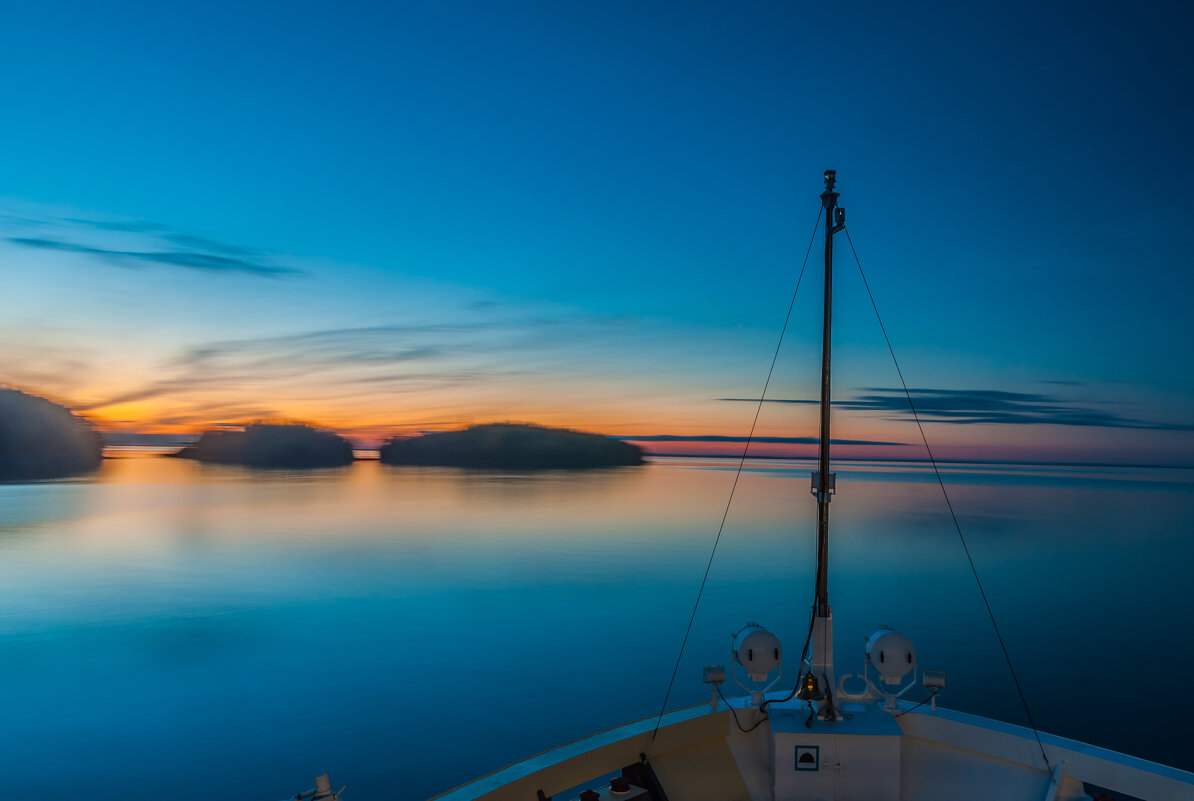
(40, 439)
(511, 446)
(271, 445)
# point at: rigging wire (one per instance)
(737, 475)
(952, 514)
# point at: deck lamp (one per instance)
(758, 652)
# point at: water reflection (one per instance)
(169, 619)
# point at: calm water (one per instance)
(170, 629)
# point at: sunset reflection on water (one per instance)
(177, 618)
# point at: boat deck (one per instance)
(699, 754)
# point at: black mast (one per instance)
(824, 480)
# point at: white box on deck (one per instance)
(855, 760)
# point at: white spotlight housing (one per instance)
(891, 654)
(758, 651)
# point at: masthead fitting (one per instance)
(829, 197)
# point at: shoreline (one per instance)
(371, 455)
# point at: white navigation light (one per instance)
(757, 650)
(892, 654)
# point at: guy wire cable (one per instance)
(737, 475)
(1015, 679)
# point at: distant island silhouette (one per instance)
(511, 446)
(291, 446)
(40, 439)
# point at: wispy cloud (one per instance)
(386, 346)
(988, 406)
(345, 364)
(128, 226)
(211, 245)
(765, 440)
(801, 401)
(139, 243)
(192, 259)
(42, 367)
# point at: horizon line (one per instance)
(813, 459)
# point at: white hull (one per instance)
(924, 755)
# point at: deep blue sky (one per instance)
(592, 213)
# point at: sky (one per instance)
(403, 217)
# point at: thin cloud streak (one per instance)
(188, 259)
(773, 400)
(983, 406)
(765, 440)
(135, 243)
(343, 367)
